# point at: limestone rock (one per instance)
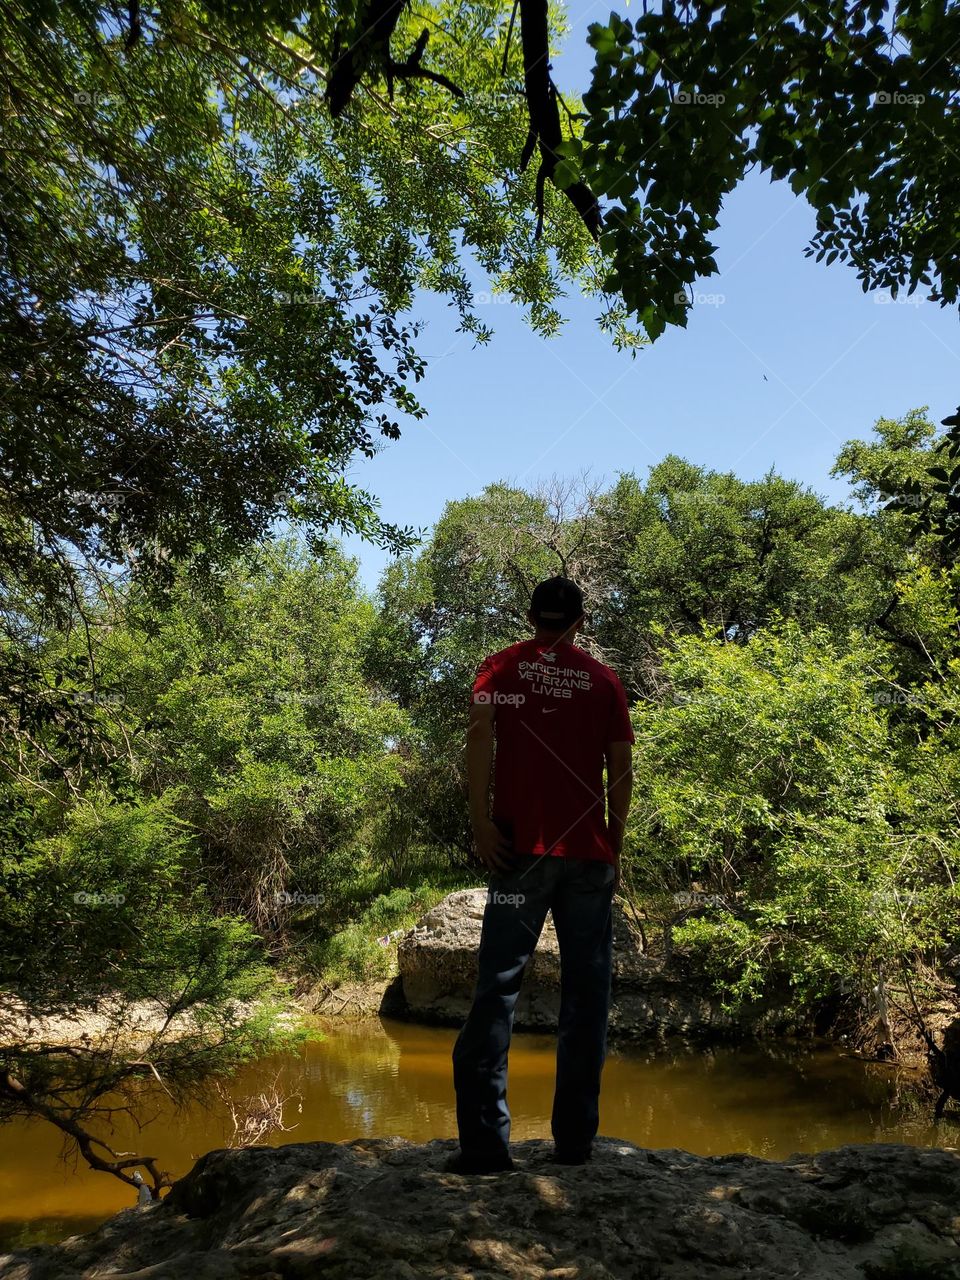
(438, 969)
(385, 1209)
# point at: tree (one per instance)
(848, 100)
(206, 284)
(898, 478)
(691, 548)
(252, 766)
(204, 275)
(779, 780)
(267, 740)
(108, 913)
(687, 549)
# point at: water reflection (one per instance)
(391, 1078)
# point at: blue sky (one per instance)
(525, 408)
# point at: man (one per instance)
(551, 842)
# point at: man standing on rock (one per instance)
(551, 842)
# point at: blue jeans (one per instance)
(579, 892)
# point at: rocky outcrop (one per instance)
(354, 1001)
(387, 1210)
(438, 969)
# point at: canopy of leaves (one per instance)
(851, 101)
(207, 281)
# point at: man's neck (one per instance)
(552, 637)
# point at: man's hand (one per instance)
(619, 790)
(616, 842)
(493, 848)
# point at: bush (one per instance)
(777, 775)
(361, 951)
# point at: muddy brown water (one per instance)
(382, 1077)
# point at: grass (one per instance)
(361, 950)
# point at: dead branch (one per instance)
(14, 1090)
(256, 1116)
(354, 56)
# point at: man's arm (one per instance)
(619, 790)
(493, 849)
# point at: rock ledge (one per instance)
(386, 1209)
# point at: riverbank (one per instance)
(655, 995)
(113, 1023)
(359, 1003)
(388, 1210)
(431, 972)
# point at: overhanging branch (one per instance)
(378, 23)
(354, 56)
(14, 1091)
(543, 108)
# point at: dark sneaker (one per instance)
(571, 1157)
(461, 1163)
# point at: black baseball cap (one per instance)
(556, 603)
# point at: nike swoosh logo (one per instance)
(547, 710)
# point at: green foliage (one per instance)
(363, 951)
(206, 287)
(272, 746)
(691, 547)
(686, 548)
(778, 780)
(220, 752)
(205, 276)
(849, 101)
(82, 908)
(924, 484)
(272, 766)
(109, 915)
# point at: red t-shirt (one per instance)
(555, 711)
